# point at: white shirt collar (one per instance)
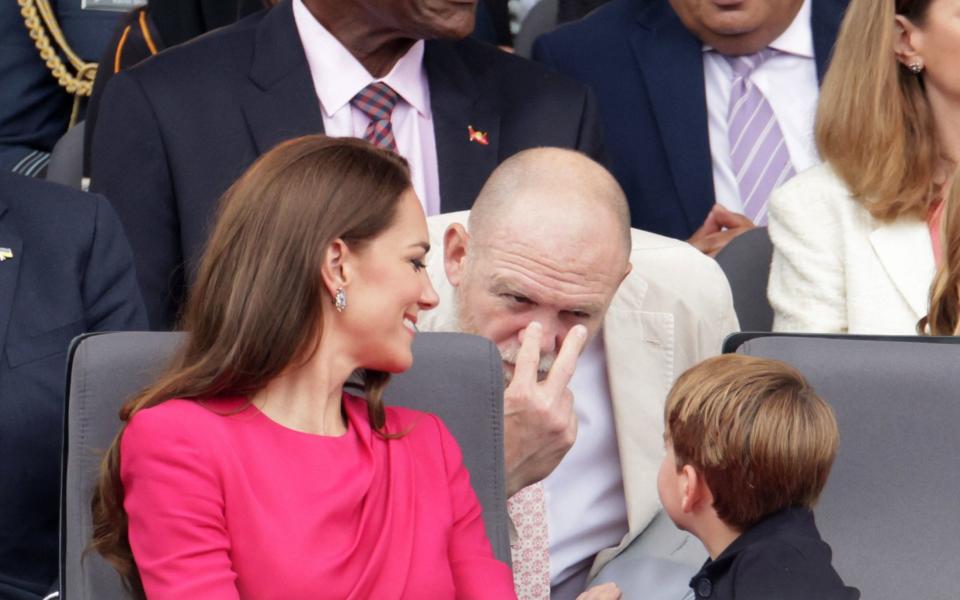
(798, 37)
(338, 76)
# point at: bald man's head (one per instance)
(552, 182)
(549, 240)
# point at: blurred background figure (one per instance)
(857, 239)
(706, 107)
(65, 269)
(38, 101)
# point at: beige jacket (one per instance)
(836, 269)
(673, 310)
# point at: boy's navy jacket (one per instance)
(780, 558)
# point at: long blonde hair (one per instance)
(874, 124)
(943, 317)
(275, 224)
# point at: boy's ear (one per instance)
(693, 490)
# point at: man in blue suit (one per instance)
(65, 269)
(666, 75)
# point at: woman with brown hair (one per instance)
(246, 471)
(857, 239)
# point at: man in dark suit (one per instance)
(65, 269)
(175, 131)
(662, 71)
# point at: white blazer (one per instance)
(836, 269)
(673, 310)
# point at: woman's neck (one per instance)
(946, 118)
(308, 397)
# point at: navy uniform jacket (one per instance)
(780, 558)
(71, 272)
(34, 109)
(175, 131)
(647, 71)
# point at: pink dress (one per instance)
(225, 503)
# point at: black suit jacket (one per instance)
(175, 131)
(647, 71)
(71, 272)
(780, 558)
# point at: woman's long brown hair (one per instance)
(256, 306)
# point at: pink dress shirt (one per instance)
(338, 76)
(224, 503)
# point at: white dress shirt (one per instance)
(586, 510)
(788, 80)
(338, 76)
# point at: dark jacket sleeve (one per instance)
(130, 166)
(111, 296)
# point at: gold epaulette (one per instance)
(41, 22)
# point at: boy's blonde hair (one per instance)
(756, 431)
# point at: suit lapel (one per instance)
(456, 105)
(671, 61)
(9, 270)
(905, 250)
(281, 103)
(824, 23)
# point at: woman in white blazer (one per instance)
(857, 239)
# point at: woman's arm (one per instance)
(175, 509)
(477, 574)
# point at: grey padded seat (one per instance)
(455, 376)
(746, 263)
(541, 19)
(66, 159)
(890, 508)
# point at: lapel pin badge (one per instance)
(480, 137)
(5, 253)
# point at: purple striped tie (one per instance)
(376, 101)
(758, 153)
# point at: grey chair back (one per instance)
(890, 508)
(541, 19)
(66, 159)
(455, 376)
(746, 263)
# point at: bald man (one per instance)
(594, 320)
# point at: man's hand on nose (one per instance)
(540, 424)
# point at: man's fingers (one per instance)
(729, 219)
(718, 241)
(566, 361)
(528, 359)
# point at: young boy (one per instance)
(749, 448)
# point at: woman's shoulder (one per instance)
(818, 190)
(180, 417)
(820, 181)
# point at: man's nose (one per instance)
(552, 337)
